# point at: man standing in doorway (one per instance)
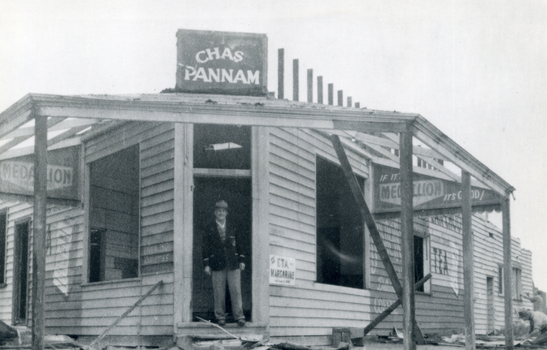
(224, 261)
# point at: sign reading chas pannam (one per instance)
(221, 62)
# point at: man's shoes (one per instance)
(222, 323)
(241, 322)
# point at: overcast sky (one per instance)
(477, 69)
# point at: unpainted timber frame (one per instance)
(255, 111)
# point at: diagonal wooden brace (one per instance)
(369, 221)
(392, 307)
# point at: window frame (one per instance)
(426, 244)
(86, 265)
(3, 247)
(516, 283)
(364, 233)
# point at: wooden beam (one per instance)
(340, 98)
(65, 135)
(468, 259)
(310, 85)
(449, 150)
(392, 307)
(507, 273)
(39, 233)
(331, 94)
(281, 74)
(14, 142)
(295, 82)
(407, 232)
(180, 163)
(24, 151)
(366, 126)
(14, 121)
(65, 124)
(188, 221)
(320, 89)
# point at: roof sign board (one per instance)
(222, 62)
(430, 193)
(63, 175)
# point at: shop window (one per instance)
(516, 283)
(114, 216)
(3, 226)
(421, 261)
(340, 228)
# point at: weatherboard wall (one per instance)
(103, 302)
(312, 309)
(488, 249)
(74, 306)
(308, 309)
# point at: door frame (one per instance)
(17, 272)
(183, 225)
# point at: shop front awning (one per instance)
(373, 133)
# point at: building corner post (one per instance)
(407, 230)
(468, 261)
(39, 232)
(507, 270)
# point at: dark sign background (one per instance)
(63, 174)
(429, 193)
(238, 62)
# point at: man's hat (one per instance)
(221, 204)
(524, 313)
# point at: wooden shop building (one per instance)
(342, 211)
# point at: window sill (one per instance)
(111, 282)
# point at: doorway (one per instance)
(20, 269)
(237, 193)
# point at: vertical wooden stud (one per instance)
(310, 85)
(39, 232)
(407, 231)
(331, 94)
(320, 90)
(281, 74)
(468, 262)
(507, 272)
(340, 98)
(295, 82)
(350, 103)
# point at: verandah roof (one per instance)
(371, 132)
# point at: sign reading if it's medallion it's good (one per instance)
(63, 174)
(221, 62)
